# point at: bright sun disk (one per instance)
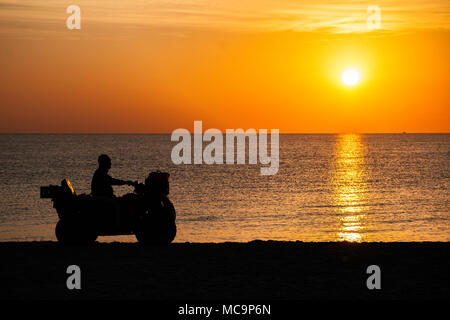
(350, 77)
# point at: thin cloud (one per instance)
(233, 15)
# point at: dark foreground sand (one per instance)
(255, 270)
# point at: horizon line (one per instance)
(164, 133)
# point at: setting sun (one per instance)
(350, 77)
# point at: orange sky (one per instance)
(140, 66)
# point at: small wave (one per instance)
(200, 218)
(347, 205)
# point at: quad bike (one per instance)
(147, 213)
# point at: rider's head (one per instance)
(104, 161)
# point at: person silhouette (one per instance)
(101, 185)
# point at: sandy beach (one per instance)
(207, 271)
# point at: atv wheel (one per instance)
(154, 233)
(72, 232)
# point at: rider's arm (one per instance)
(117, 182)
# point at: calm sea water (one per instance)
(387, 187)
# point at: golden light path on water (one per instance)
(350, 186)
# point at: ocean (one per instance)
(343, 187)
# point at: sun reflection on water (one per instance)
(349, 184)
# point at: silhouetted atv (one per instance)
(148, 213)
